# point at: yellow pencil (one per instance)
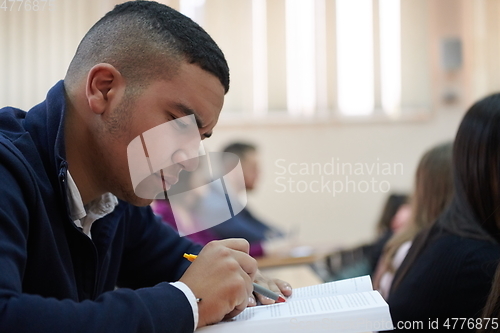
(257, 288)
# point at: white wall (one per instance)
(347, 218)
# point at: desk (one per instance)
(298, 275)
(298, 255)
(276, 261)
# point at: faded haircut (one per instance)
(146, 40)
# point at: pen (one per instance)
(257, 288)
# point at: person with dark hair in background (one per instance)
(244, 224)
(72, 227)
(449, 269)
(362, 260)
(432, 194)
(394, 216)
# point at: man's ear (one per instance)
(104, 82)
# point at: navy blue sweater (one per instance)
(53, 278)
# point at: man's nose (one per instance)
(187, 161)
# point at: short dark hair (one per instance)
(239, 148)
(145, 40)
(391, 207)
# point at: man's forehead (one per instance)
(194, 91)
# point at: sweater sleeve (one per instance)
(153, 250)
(159, 308)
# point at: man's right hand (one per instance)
(222, 277)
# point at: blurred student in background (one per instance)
(203, 203)
(244, 224)
(394, 217)
(363, 259)
(433, 193)
(449, 269)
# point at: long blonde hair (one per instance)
(433, 192)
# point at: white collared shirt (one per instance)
(85, 215)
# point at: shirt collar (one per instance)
(85, 215)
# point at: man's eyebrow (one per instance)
(187, 111)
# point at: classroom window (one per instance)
(390, 55)
(300, 57)
(355, 63)
(341, 59)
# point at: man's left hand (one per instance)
(278, 286)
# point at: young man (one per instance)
(72, 228)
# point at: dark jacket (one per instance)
(53, 278)
(451, 278)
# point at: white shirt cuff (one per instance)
(191, 298)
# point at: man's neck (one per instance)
(78, 157)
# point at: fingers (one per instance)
(234, 313)
(248, 283)
(238, 244)
(239, 263)
(222, 275)
(247, 301)
(234, 248)
(240, 249)
(251, 301)
(284, 287)
(247, 263)
(276, 285)
(265, 300)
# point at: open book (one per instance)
(349, 305)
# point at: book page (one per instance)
(357, 312)
(308, 306)
(344, 306)
(347, 286)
